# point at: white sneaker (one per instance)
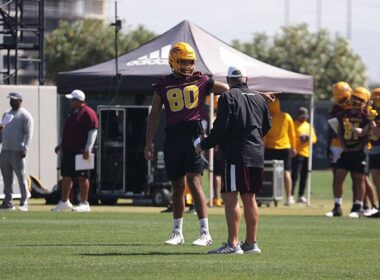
(302, 199)
(176, 238)
(369, 212)
(355, 215)
(82, 207)
(62, 206)
(203, 240)
(250, 248)
(23, 208)
(356, 211)
(290, 201)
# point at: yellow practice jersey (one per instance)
(302, 130)
(282, 134)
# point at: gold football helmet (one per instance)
(360, 97)
(182, 58)
(375, 97)
(362, 93)
(342, 93)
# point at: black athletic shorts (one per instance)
(279, 154)
(374, 161)
(218, 166)
(180, 157)
(354, 161)
(68, 167)
(241, 178)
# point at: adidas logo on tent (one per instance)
(158, 57)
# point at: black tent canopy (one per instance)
(140, 67)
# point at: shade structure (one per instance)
(142, 66)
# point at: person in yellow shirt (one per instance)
(300, 161)
(280, 144)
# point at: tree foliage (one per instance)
(327, 59)
(87, 42)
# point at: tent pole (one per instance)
(310, 160)
(117, 25)
(211, 151)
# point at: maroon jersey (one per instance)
(183, 97)
(349, 120)
(335, 111)
(76, 128)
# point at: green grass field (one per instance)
(126, 242)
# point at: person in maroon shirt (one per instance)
(182, 93)
(78, 137)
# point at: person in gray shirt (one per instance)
(15, 136)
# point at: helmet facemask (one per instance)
(357, 102)
(360, 97)
(186, 67)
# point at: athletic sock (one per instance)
(358, 202)
(203, 224)
(177, 225)
(338, 200)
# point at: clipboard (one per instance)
(84, 164)
(334, 123)
(7, 118)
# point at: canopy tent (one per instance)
(141, 67)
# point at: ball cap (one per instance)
(303, 112)
(76, 94)
(14, 95)
(236, 72)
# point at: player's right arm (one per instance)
(153, 120)
(219, 87)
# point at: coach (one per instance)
(242, 121)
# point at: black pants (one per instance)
(299, 167)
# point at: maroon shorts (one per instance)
(241, 178)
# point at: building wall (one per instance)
(71, 9)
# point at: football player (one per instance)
(374, 153)
(354, 124)
(182, 93)
(341, 93)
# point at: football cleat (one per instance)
(176, 238)
(336, 212)
(356, 211)
(203, 240)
